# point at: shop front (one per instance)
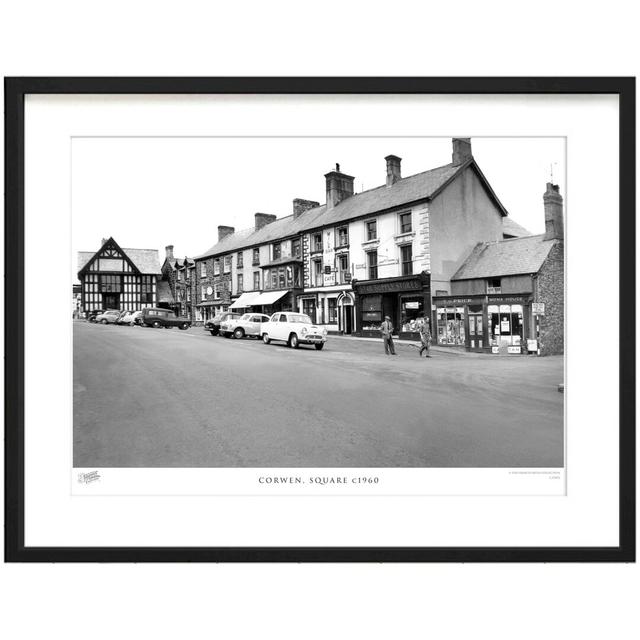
(484, 323)
(404, 299)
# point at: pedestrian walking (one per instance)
(425, 338)
(387, 338)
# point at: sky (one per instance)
(151, 192)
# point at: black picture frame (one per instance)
(15, 91)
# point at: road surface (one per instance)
(169, 398)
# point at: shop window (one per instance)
(256, 256)
(494, 285)
(506, 323)
(309, 309)
(372, 261)
(371, 312)
(411, 310)
(277, 251)
(406, 256)
(256, 280)
(450, 325)
(343, 237)
(405, 222)
(239, 260)
(332, 310)
(372, 229)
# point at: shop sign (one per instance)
(385, 261)
(347, 276)
(329, 279)
(411, 305)
(454, 301)
(383, 287)
(495, 349)
(504, 326)
(513, 350)
(505, 299)
(532, 344)
(538, 308)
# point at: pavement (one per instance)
(169, 398)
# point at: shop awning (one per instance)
(246, 300)
(269, 297)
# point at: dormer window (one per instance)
(494, 285)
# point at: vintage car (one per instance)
(155, 317)
(213, 325)
(129, 318)
(250, 324)
(294, 329)
(91, 316)
(108, 317)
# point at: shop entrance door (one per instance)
(348, 318)
(476, 332)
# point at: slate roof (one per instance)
(512, 228)
(505, 258)
(420, 186)
(146, 260)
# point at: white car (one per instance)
(294, 329)
(250, 324)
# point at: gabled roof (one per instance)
(511, 229)
(421, 186)
(146, 261)
(505, 258)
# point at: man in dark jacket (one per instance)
(387, 338)
(425, 337)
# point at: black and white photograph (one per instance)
(313, 302)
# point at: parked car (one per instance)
(121, 318)
(155, 317)
(294, 329)
(136, 318)
(91, 316)
(213, 325)
(250, 324)
(108, 317)
(129, 317)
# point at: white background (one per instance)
(402, 601)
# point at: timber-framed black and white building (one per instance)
(117, 278)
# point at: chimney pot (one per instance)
(263, 219)
(553, 213)
(169, 251)
(300, 206)
(393, 170)
(223, 232)
(461, 151)
(339, 187)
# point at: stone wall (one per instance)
(550, 290)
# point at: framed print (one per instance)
(320, 319)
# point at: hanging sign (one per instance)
(537, 308)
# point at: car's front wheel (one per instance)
(265, 338)
(294, 343)
(184, 326)
(156, 325)
(319, 346)
(103, 321)
(212, 332)
(238, 333)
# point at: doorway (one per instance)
(476, 331)
(111, 300)
(347, 319)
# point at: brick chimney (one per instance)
(553, 220)
(461, 151)
(169, 251)
(339, 187)
(263, 219)
(223, 231)
(393, 170)
(300, 206)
